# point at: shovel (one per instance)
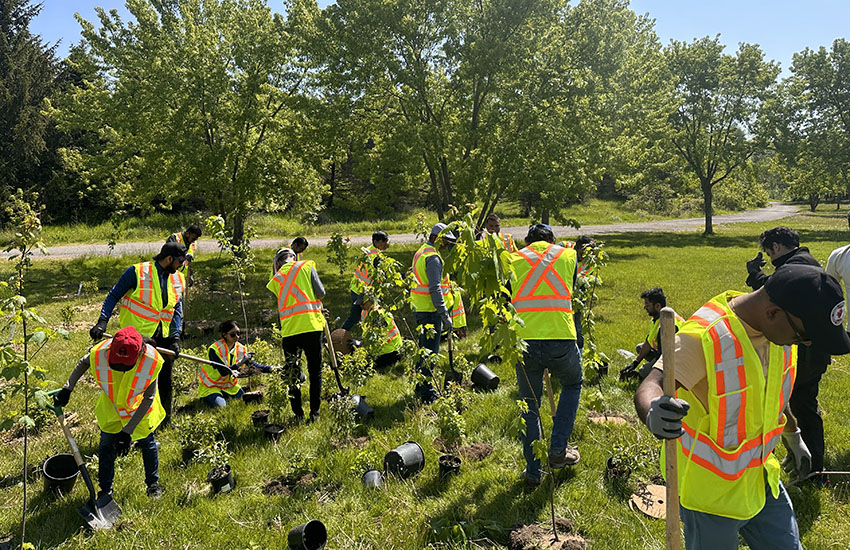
(98, 513)
(452, 375)
(362, 408)
(170, 353)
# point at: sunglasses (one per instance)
(234, 334)
(800, 337)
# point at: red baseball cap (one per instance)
(125, 348)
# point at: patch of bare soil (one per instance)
(476, 451)
(286, 485)
(539, 537)
(358, 442)
(618, 419)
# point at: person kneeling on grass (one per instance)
(216, 384)
(128, 408)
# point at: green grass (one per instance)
(689, 267)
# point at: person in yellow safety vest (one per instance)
(128, 408)
(580, 245)
(654, 301)
(299, 245)
(458, 314)
(389, 335)
(432, 300)
(735, 368)
(188, 239)
(542, 295)
(217, 384)
(493, 225)
(362, 277)
(150, 294)
(299, 292)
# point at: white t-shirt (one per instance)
(838, 265)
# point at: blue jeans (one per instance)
(432, 343)
(216, 400)
(563, 359)
(106, 460)
(354, 312)
(774, 528)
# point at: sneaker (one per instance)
(155, 490)
(530, 482)
(314, 416)
(568, 457)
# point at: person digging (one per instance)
(654, 301)
(187, 238)
(128, 408)
(735, 365)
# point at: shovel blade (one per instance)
(101, 514)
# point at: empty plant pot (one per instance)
(260, 418)
(484, 379)
(273, 431)
(449, 465)
(188, 454)
(253, 397)
(362, 408)
(60, 473)
(373, 479)
(405, 460)
(221, 480)
(308, 536)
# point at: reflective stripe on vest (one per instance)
(541, 270)
(728, 465)
(422, 286)
(143, 307)
(143, 376)
(507, 242)
(228, 358)
(393, 330)
(459, 310)
(302, 304)
(362, 271)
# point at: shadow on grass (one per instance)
(55, 519)
(685, 240)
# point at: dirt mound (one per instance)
(538, 537)
(611, 418)
(286, 485)
(476, 451)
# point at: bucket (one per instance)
(362, 408)
(222, 483)
(308, 536)
(252, 397)
(405, 460)
(449, 465)
(260, 418)
(60, 473)
(484, 379)
(373, 479)
(273, 431)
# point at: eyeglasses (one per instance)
(800, 337)
(234, 334)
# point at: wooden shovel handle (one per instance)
(668, 348)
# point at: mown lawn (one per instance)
(487, 495)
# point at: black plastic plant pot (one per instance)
(452, 376)
(188, 454)
(253, 397)
(60, 473)
(484, 379)
(362, 408)
(449, 465)
(373, 479)
(260, 418)
(308, 536)
(405, 460)
(273, 431)
(221, 480)
(601, 368)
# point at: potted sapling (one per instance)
(276, 397)
(196, 433)
(221, 475)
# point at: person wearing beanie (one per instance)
(128, 408)
(736, 362)
(150, 294)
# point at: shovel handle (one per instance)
(170, 353)
(332, 353)
(549, 391)
(668, 349)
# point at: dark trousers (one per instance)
(311, 344)
(426, 389)
(387, 360)
(353, 313)
(163, 381)
(106, 460)
(804, 403)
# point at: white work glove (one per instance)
(665, 417)
(798, 460)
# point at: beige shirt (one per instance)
(838, 265)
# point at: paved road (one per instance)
(775, 211)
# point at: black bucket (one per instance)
(484, 379)
(308, 536)
(253, 397)
(362, 408)
(224, 483)
(405, 460)
(449, 465)
(260, 418)
(452, 376)
(373, 479)
(273, 431)
(60, 473)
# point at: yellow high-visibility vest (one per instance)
(298, 308)
(122, 392)
(655, 330)
(142, 307)
(543, 292)
(420, 296)
(210, 380)
(727, 451)
(363, 274)
(458, 311)
(392, 338)
(191, 249)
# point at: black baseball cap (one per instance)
(174, 249)
(814, 296)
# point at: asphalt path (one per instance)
(775, 211)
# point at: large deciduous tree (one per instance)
(720, 98)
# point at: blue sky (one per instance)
(781, 27)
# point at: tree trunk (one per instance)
(435, 191)
(445, 179)
(238, 228)
(707, 207)
(332, 184)
(814, 200)
(544, 216)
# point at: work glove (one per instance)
(755, 265)
(629, 370)
(665, 417)
(224, 370)
(61, 398)
(123, 440)
(798, 460)
(96, 332)
(174, 345)
(447, 321)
